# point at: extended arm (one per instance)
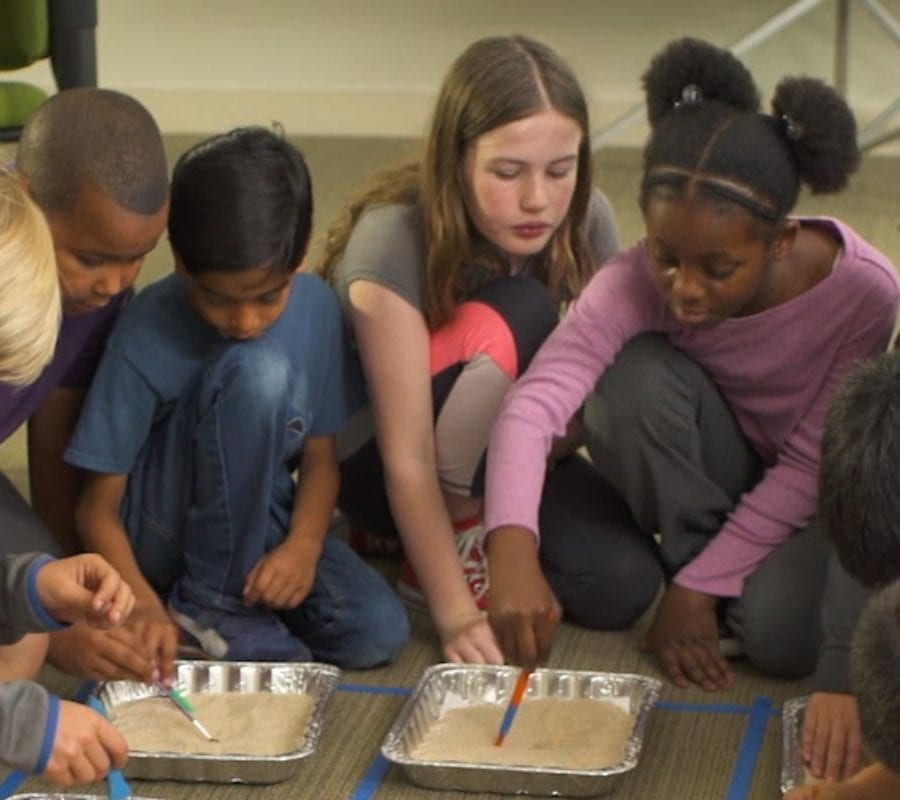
(393, 341)
(151, 634)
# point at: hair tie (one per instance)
(691, 95)
(792, 129)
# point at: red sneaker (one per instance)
(474, 564)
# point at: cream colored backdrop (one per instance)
(370, 67)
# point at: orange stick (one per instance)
(514, 701)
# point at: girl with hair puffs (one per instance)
(706, 357)
(451, 272)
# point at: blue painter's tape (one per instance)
(12, 782)
(85, 691)
(371, 781)
(708, 708)
(751, 745)
(366, 689)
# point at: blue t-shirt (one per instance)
(159, 346)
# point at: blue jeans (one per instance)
(212, 492)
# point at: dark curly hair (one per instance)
(709, 135)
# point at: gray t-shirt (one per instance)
(387, 246)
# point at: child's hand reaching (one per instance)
(158, 636)
(84, 747)
(523, 610)
(84, 587)
(832, 739)
(685, 635)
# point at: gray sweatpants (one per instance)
(662, 435)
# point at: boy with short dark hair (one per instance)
(39, 732)
(219, 383)
(93, 160)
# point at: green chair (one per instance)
(31, 30)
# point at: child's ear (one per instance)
(785, 239)
(301, 267)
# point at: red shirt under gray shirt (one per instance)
(28, 712)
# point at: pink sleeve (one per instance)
(786, 497)
(617, 303)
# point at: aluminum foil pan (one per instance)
(793, 770)
(479, 684)
(198, 677)
(54, 796)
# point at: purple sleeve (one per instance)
(78, 350)
(91, 343)
(620, 301)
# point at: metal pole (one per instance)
(777, 23)
(869, 137)
(759, 34)
(884, 17)
(841, 37)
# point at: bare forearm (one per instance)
(108, 538)
(421, 517)
(316, 494)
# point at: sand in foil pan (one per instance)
(249, 724)
(550, 732)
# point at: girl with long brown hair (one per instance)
(451, 272)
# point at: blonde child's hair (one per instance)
(30, 309)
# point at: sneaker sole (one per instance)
(731, 648)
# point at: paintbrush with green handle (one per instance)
(185, 708)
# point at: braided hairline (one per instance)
(695, 181)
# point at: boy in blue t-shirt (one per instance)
(218, 384)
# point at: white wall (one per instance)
(371, 67)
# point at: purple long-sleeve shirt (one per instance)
(778, 370)
(78, 350)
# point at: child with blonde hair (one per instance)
(93, 161)
(29, 290)
(64, 741)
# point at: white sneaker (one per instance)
(474, 564)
